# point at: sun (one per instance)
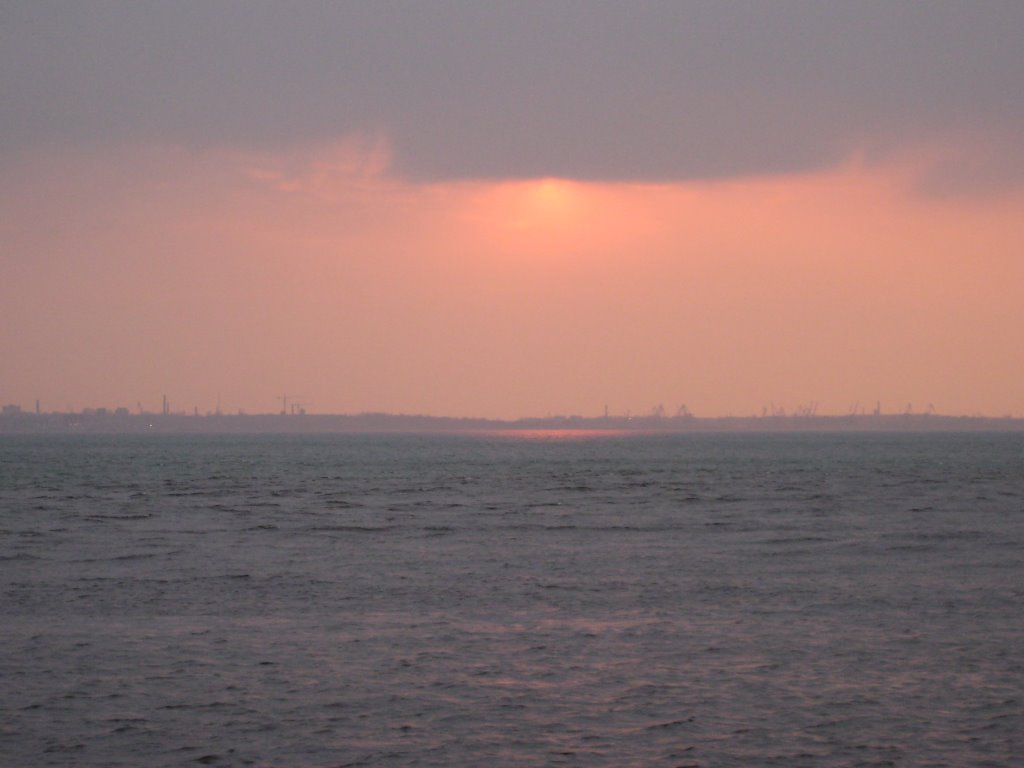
(529, 216)
(553, 219)
(552, 201)
(549, 204)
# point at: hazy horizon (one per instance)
(772, 411)
(539, 208)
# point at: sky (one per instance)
(533, 208)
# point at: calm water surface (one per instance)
(699, 600)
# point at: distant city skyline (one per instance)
(658, 411)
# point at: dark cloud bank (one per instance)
(595, 90)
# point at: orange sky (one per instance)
(513, 209)
(135, 271)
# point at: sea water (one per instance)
(512, 600)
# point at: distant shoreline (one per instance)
(106, 422)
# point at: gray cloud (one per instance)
(594, 90)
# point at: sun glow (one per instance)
(555, 218)
(546, 205)
(552, 201)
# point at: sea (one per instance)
(512, 599)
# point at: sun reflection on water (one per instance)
(557, 434)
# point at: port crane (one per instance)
(296, 407)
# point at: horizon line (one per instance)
(13, 410)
